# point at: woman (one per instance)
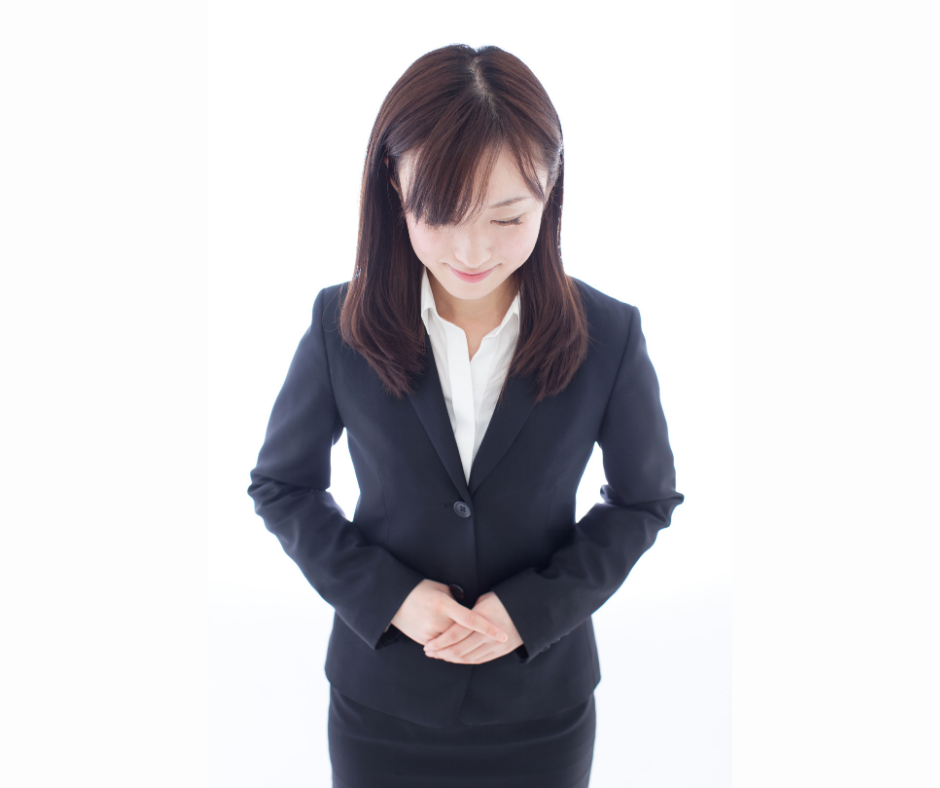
(473, 377)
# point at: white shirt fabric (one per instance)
(471, 386)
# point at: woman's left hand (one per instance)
(466, 647)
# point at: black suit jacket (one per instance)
(511, 530)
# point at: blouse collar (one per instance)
(428, 305)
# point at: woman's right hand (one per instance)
(431, 609)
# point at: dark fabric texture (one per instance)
(510, 530)
(370, 749)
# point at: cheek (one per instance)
(426, 243)
(518, 246)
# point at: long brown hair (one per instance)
(454, 110)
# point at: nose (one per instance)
(471, 248)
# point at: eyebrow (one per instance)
(510, 201)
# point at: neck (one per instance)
(490, 309)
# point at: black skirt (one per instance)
(370, 749)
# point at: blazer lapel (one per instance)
(428, 402)
(508, 418)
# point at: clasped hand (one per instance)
(432, 617)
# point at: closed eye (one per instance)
(508, 222)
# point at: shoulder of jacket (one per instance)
(330, 301)
(605, 314)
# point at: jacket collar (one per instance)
(511, 412)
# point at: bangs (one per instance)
(448, 119)
(450, 171)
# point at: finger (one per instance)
(453, 634)
(471, 641)
(485, 652)
(476, 622)
(455, 653)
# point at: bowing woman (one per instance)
(473, 377)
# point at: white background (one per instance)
(164, 235)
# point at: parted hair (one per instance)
(452, 112)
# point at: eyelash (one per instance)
(508, 222)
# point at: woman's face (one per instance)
(476, 259)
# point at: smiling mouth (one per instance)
(471, 277)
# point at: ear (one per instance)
(392, 179)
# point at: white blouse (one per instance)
(471, 386)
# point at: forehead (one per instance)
(505, 180)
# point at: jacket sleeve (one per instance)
(364, 583)
(547, 603)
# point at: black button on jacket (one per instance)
(518, 537)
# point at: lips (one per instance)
(472, 277)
